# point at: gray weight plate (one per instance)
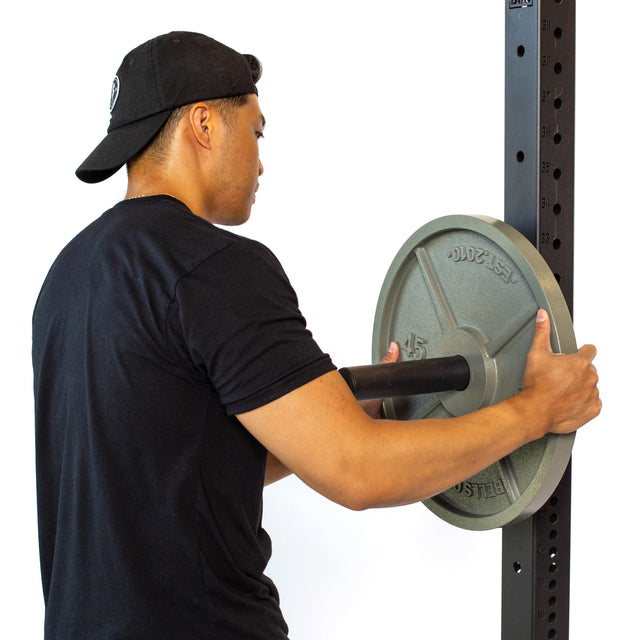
(472, 286)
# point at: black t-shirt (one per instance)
(152, 330)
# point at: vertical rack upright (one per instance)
(539, 197)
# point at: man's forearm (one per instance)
(426, 457)
(331, 444)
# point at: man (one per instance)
(175, 376)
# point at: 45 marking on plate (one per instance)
(415, 347)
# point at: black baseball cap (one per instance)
(165, 73)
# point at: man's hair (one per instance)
(156, 151)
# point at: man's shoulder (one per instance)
(160, 236)
(167, 217)
(163, 228)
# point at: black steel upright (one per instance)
(539, 188)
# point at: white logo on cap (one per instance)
(115, 92)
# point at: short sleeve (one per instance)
(239, 319)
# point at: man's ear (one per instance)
(202, 122)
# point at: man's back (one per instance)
(149, 491)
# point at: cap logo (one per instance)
(115, 92)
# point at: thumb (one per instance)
(392, 354)
(542, 336)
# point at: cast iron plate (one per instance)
(472, 286)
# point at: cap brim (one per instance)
(119, 146)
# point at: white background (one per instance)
(381, 116)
